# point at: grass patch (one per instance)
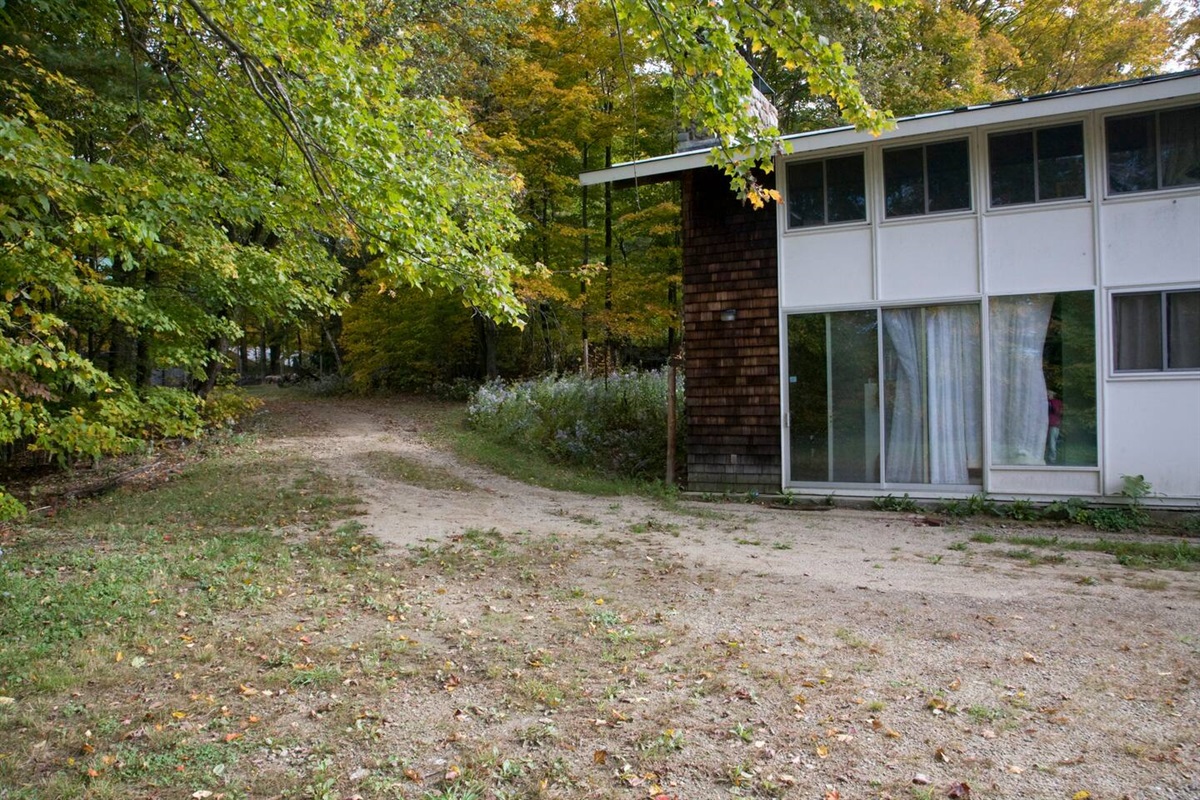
(1174, 554)
(395, 467)
(532, 466)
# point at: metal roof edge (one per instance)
(1014, 109)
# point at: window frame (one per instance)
(1033, 133)
(924, 148)
(1154, 114)
(1164, 340)
(788, 227)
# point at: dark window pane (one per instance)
(1131, 159)
(904, 181)
(949, 176)
(845, 186)
(808, 397)
(1183, 330)
(1137, 331)
(1060, 162)
(1179, 137)
(806, 190)
(1010, 162)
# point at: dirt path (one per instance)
(926, 656)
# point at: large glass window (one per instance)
(826, 192)
(920, 424)
(1155, 331)
(1157, 150)
(1036, 166)
(1043, 379)
(927, 179)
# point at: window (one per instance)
(1158, 150)
(1043, 379)
(920, 424)
(826, 192)
(1156, 331)
(1036, 166)
(927, 179)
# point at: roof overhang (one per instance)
(1073, 101)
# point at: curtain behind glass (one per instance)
(1137, 331)
(904, 372)
(934, 416)
(1179, 134)
(1183, 330)
(1019, 405)
(955, 404)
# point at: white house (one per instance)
(1000, 299)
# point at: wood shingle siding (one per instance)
(730, 262)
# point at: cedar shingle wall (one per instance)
(730, 261)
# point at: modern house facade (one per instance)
(1000, 299)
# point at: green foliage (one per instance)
(173, 173)
(226, 406)
(892, 503)
(615, 424)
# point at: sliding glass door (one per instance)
(921, 424)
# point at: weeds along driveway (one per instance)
(709, 650)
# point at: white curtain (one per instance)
(1137, 331)
(1183, 330)
(1019, 405)
(934, 423)
(905, 462)
(952, 350)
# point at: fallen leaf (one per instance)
(412, 775)
(1081, 795)
(959, 791)
(1031, 658)
(822, 751)
(599, 756)
(940, 755)
(921, 779)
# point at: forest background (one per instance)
(387, 191)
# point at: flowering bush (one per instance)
(617, 423)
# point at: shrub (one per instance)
(226, 406)
(616, 423)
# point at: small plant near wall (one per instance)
(893, 503)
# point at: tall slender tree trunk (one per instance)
(608, 264)
(583, 284)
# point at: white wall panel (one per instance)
(1042, 249)
(826, 268)
(1152, 428)
(1044, 482)
(928, 258)
(1151, 240)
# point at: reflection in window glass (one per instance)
(806, 194)
(1010, 160)
(833, 390)
(927, 179)
(930, 398)
(1036, 166)
(825, 192)
(1131, 154)
(847, 194)
(949, 176)
(1043, 379)
(1060, 162)
(904, 181)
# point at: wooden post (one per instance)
(672, 367)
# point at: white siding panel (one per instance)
(1044, 482)
(1153, 429)
(1151, 240)
(1042, 249)
(826, 268)
(928, 259)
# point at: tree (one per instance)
(169, 169)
